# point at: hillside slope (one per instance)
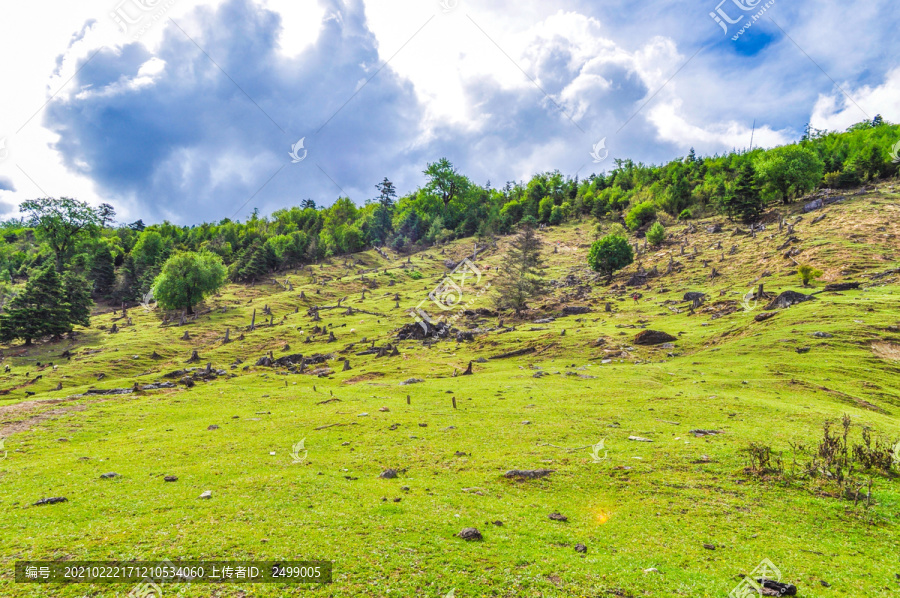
(675, 516)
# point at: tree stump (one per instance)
(468, 372)
(186, 336)
(194, 357)
(331, 338)
(346, 365)
(253, 320)
(227, 336)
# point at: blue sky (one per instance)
(189, 111)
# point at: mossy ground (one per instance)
(647, 505)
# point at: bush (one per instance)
(657, 234)
(557, 215)
(609, 254)
(640, 215)
(808, 274)
(529, 220)
(685, 215)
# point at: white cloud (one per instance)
(836, 112)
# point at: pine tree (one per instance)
(77, 296)
(103, 271)
(521, 272)
(744, 200)
(257, 266)
(39, 311)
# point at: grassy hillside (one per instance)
(680, 515)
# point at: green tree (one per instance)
(657, 234)
(610, 254)
(743, 201)
(789, 171)
(38, 311)
(444, 181)
(187, 278)
(640, 215)
(521, 271)
(60, 222)
(76, 295)
(103, 271)
(382, 224)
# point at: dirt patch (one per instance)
(888, 351)
(363, 378)
(9, 426)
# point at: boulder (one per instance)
(576, 310)
(787, 299)
(470, 534)
(653, 337)
(694, 296)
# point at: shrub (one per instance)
(808, 273)
(557, 215)
(640, 215)
(685, 215)
(657, 234)
(529, 220)
(609, 254)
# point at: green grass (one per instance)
(649, 505)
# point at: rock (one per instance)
(576, 310)
(787, 299)
(639, 439)
(701, 433)
(51, 501)
(411, 381)
(764, 316)
(171, 478)
(802, 350)
(207, 494)
(709, 546)
(558, 517)
(777, 588)
(388, 474)
(527, 474)
(108, 476)
(651, 570)
(843, 286)
(653, 337)
(694, 296)
(581, 548)
(470, 534)
(715, 228)
(822, 335)
(212, 427)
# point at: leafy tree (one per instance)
(38, 311)
(187, 278)
(657, 234)
(308, 204)
(521, 271)
(444, 181)
(640, 215)
(789, 171)
(743, 200)
(808, 274)
(610, 254)
(106, 213)
(60, 222)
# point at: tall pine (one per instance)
(744, 200)
(39, 311)
(521, 272)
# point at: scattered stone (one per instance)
(694, 296)
(388, 474)
(525, 474)
(709, 546)
(842, 286)
(207, 494)
(212, 427)
(575, 310)
(765, 316)
(701, 433)
(411, 381)
(639, 439)
(558, 517)
(653, 337)
(581, 548)
(470, 534)
(822, 335)
(651, 570)
(802, 350)
(171, 478)
(108, 476)
(775, 588)
(51, 501)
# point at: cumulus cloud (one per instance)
(836, 111)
